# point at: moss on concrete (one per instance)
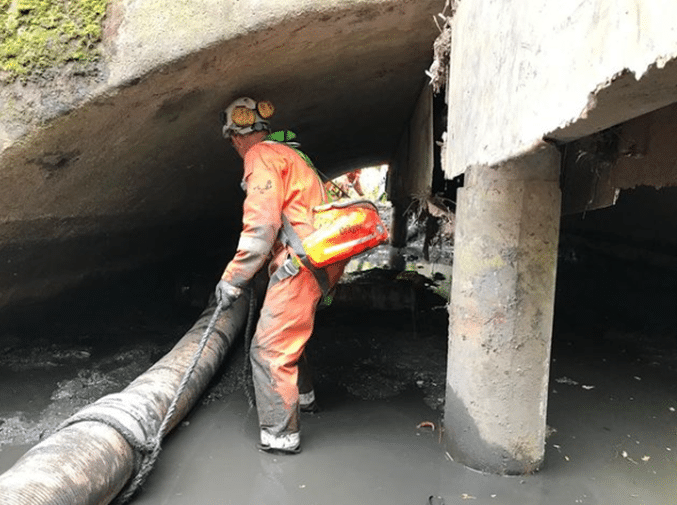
(39, 34)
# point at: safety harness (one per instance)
(342, 230)
(293, 263)
(288, 236)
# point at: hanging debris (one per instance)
(439, 222)
(442, 47)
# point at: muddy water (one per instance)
(613, 441)
(612, 408)
(353, 452)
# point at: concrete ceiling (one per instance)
(345, 81)
(149, 151)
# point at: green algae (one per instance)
(40, 34)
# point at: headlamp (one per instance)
(243, 116)
(265, 109)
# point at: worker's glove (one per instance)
(226, 294)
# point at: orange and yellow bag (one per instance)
(343, 230)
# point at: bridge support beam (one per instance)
(501, 313)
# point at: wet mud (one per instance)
(60, 356)
(379, 377)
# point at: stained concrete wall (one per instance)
(619, 189)
(417, 173)
(522, 71)
(122, 162)
(411, 169)
(638, 152)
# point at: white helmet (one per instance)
(246, 115)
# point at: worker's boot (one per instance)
(281, 444)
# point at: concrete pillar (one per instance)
(501, 311)
(411, 171)
(398, 236)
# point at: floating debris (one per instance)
(566, 380)
(426, 424)
(587, 388)
(625, 455)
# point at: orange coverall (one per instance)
(278, 180)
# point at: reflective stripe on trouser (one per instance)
(284, 327)
(305, 383)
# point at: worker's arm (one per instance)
(262, 215)
(354, 180)
(358, 187)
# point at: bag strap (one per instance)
(291, 238)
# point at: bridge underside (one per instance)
(138, 173)
(138, 170)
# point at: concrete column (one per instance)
(410, 171)
(501, 311)
(398, 235)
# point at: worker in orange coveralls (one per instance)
(278, 182)
(341, 189)
(354, 181)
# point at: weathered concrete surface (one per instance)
(501, 313)
(414, 170)
(647, 151)
(411, 168)
(638, 152)
(524, 70)
(134, 167)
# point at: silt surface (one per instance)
(379, 379)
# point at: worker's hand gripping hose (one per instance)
(95, 455)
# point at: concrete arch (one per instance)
(142, 150)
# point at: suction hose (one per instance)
(90, 460)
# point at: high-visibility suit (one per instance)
(277, 181)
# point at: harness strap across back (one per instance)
(291, 266)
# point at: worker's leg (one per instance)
(285, 325)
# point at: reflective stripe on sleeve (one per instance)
(253, 245)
